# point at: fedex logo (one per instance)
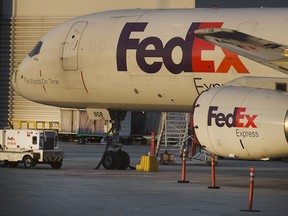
(191, 47)
(11, 138)
(236, 119)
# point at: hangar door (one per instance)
(71, 46)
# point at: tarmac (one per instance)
(78, 189)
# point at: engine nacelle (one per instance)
(242, 122)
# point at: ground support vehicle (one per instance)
(30, 147)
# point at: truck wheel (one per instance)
(110, 159)
(56, 165)
(28, 162)
(123, 161)
(3, 163)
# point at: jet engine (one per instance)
(242, 122)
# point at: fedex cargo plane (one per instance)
(226, 66)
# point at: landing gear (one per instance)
(124, 160)
(116, 158)
(109, 160)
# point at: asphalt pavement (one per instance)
(78, 189)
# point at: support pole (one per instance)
(251, 191)
(193, 147)
(213, 173)
(183, 167)
(152, 151)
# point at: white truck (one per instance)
(30, 147)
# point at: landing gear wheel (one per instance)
(56, 165)
(3, 163)
(115, 159)
(123, 160)
(110, 159)
(28, 162)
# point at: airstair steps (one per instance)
(173, 132)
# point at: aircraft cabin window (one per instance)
(36, 49)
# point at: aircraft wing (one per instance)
(271, 54)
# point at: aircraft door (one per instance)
(71, 46)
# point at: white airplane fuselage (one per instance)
(142, 59)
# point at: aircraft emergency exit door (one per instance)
(71, 46)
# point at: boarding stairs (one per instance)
(173, 133)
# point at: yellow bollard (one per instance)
(148, 164)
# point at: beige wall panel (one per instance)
(76, 7)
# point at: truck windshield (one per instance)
(49, 140)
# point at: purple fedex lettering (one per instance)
(191, 51)
(126, 43)
(235, 119)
